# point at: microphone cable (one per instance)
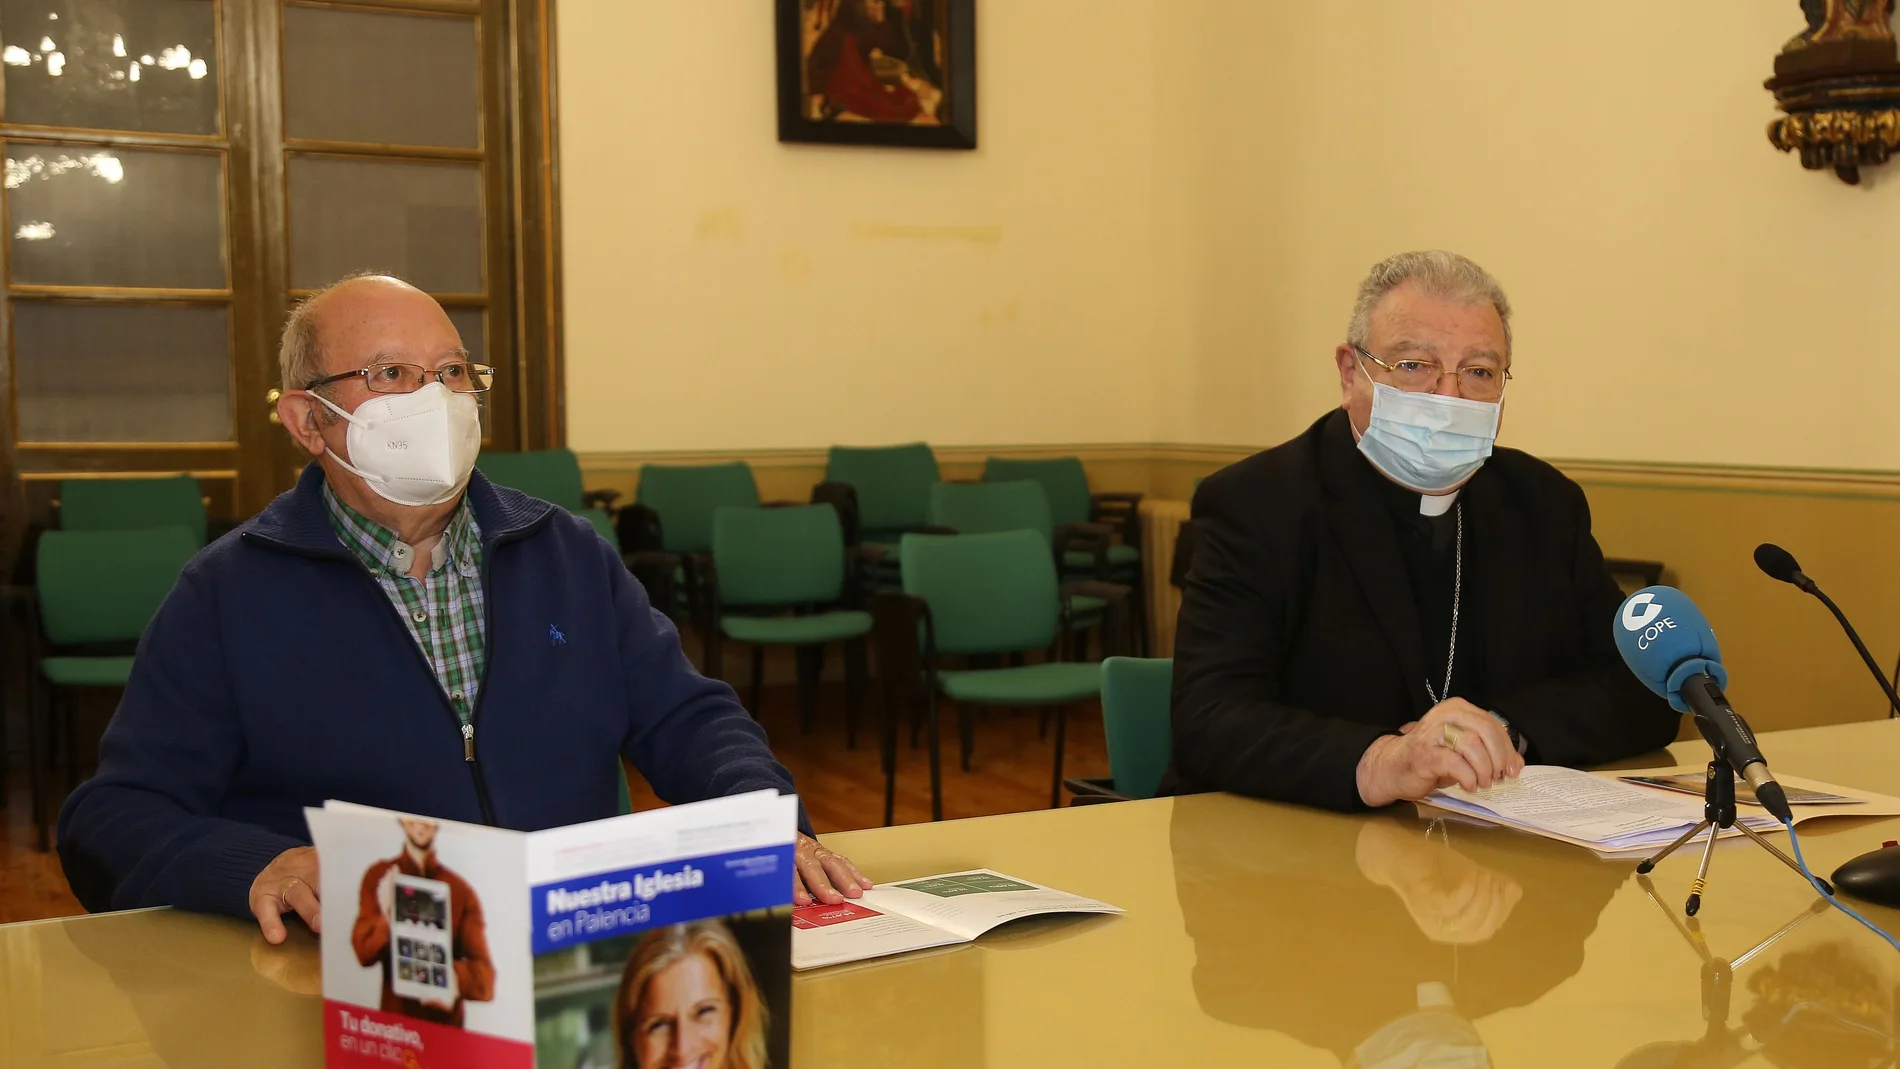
(1795, 841)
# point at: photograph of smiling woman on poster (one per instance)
(687, 998)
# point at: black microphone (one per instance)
(1728, 733)
(1780, 564)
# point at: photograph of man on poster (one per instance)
(468, 975)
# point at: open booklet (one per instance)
(934, 911)
(449, 944)
(1620, 816)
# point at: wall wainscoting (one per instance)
(1791, 665)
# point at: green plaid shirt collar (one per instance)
(377, 546)
(444, 611)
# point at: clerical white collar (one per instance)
(1437, 506)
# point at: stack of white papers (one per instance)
(1606, 815)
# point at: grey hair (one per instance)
(1445, 275)
(299, 356)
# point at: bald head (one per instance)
(350, 323)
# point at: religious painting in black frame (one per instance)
(877, 72)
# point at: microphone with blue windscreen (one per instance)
(1665, 639)
(1669, 645)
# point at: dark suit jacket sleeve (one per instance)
(1238, 612)
(1600, 713)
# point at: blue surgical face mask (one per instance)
(1426, 441)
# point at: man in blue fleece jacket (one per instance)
(395, 631)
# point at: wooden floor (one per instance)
(843, 789)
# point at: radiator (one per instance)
(1161, 522)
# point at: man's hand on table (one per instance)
(1455, 743)
(287, 885)
(818, 875)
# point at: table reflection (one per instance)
(1823, 1005)
(209, 992)
(1405, 931)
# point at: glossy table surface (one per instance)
(1256, 934)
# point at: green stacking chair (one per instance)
(980, 596)
(1105, 516)
(684, 498)
(132, 504)
(1137, 719)
(990, 507)
(668, 528)
(781, 578)
(889, 487)
(96, 592)
(553, 475)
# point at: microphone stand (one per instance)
(1860, 647)
(1718, 814)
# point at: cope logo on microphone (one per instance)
(1641, 613)
(1634, 620)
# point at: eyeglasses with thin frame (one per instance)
(1476, 382)
(385, 376)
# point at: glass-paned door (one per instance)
(119, 290)
(178, 173)
(410, 189)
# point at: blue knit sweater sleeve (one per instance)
(144, 830)
(687, 734)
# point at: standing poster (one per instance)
(655, 939)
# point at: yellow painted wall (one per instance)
(724, 291)
(1684, 292)
(1792, 667)
(1159, 239)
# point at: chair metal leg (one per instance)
(1138, 618)
(810, 664)
(854, 677)
(966, 733)
(887, 757)
(6, 677)
(936, 764)
(1062, 733)
(36, 716)
(69, 723)
(758, 681)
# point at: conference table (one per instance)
(1255, 933)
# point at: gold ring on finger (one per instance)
(1449, 740)
(283, 893)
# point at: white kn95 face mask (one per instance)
(413, 448)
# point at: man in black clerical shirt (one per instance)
(1386, 604)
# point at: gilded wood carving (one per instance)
(1838, 83)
